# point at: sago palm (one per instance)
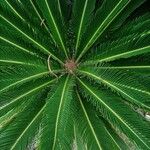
(74, 74)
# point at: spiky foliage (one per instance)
(74, 74)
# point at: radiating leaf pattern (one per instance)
(74, 74)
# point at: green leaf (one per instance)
(119, 114)
(138, 65)
(92, 129)
(74, 74)
(104, 17)
(4, 18)
(124, 48)
(10, 98)
(57, 116)
(123, 84)
(14, 55)
(49, 8)
(21, 10)
(116, 135)
(82, 11)
(139, 26)
(27, 123)
(133, 4)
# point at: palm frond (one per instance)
(134, 4)
(11, 98)
(10, 55)
(49, 8)
(58, 116)
(136, 27)
(121, 83)
(82, 12)
(103, 18)
(124, 48)
(74, 74)
(93, 130)
(139, 65)
(139, 25)
(11, 75)
(23, 30)
(27, 123)
(116, 135)
(119, 114)
(21, 10)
